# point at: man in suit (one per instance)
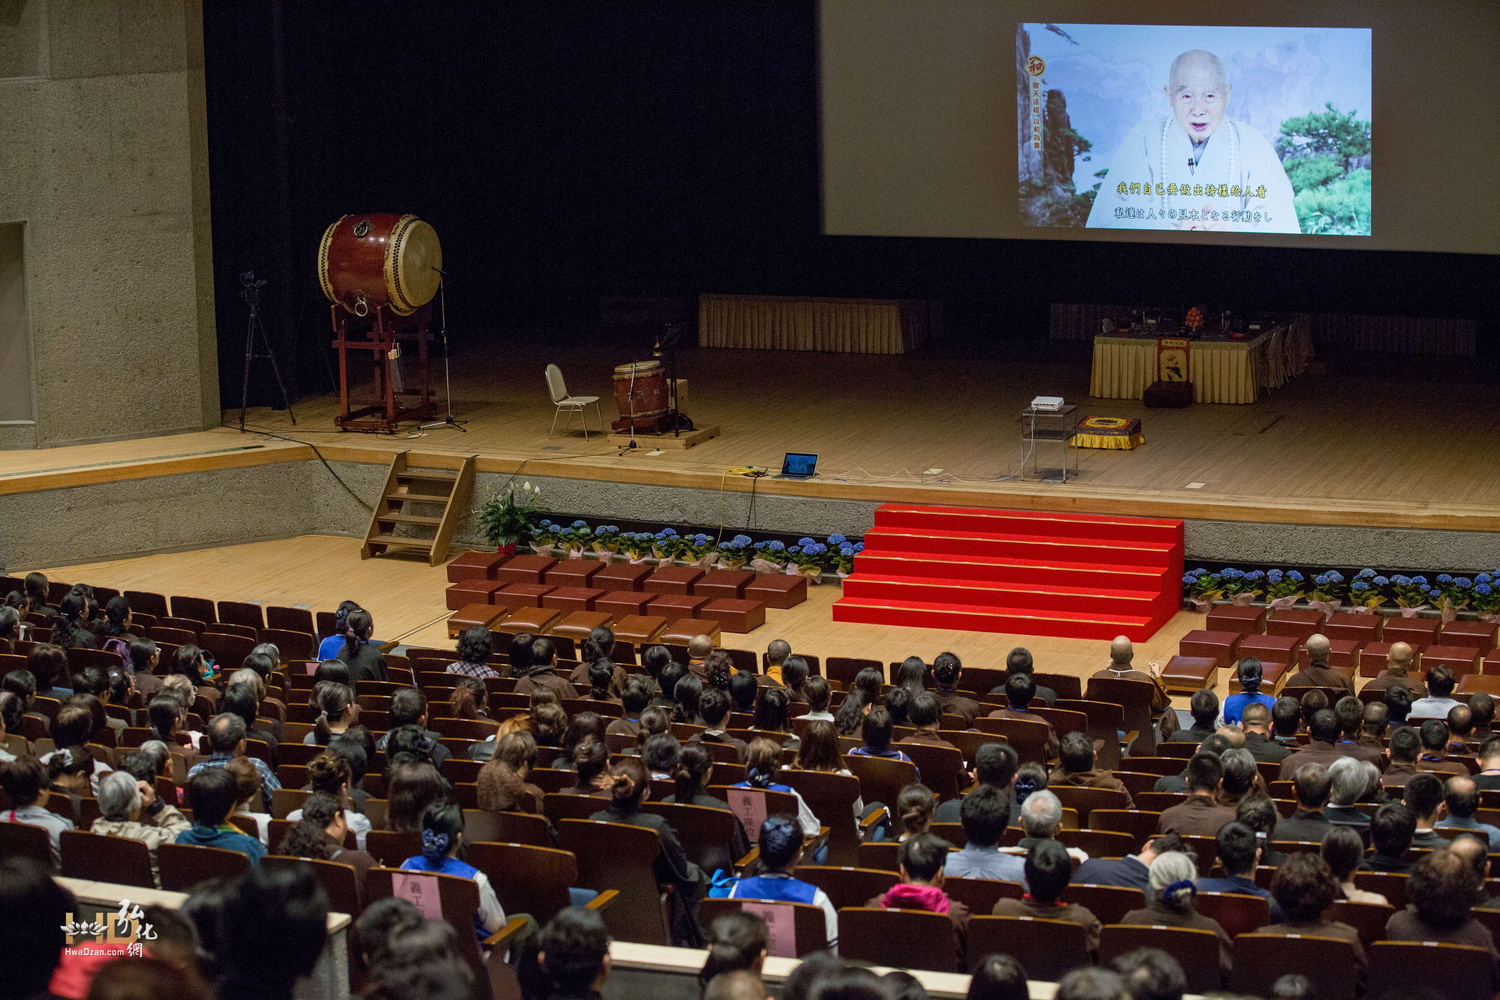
(1019, 690)
(994, 766)
(1348, 783)
(1286, 719)
(1121, 653)
(1318, 673)
(1423, 795)
(1177, 783)
(1397, 663)
(1406, 746)
(1323, 727)
(1132, 871)
(1308, 822)
(1255, 720)
(1076, 767)
(1204, 707)
(1201, 815)
(1238, 851)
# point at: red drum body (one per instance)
(641, 389)
(380, 259)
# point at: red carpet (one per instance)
(1076, 576)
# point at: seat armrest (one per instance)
(501, 938)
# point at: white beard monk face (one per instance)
(1198, 93)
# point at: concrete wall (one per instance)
(104, 157)
(110, 520)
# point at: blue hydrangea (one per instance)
(1443, 578)
(666, 533)
(1483, 589)
(1334, 576)
(1256, 575)
(1483, 578)
(1295, 576)
(741, 539)
(1200, 571)
(1428, 588)
(1402, 581)
(1274, 576)
(777, 546)
(846, 550)
(547, 524)
(1364, 574)
(859, 547)
(1230, 573)
(1359, 586)
(701, 539)
(1419, 579)
(1189, 579)
(1381, 581)
(579, 524)
(836, 539)
(1463, 583)
(814, 549)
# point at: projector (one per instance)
(1051, 403)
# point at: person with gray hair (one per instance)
(1170, 888)
(131, 809)
(1041, 819)
(1349, 781)
(1240, 774)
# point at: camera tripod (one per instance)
(250, 288)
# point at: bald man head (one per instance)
(1318, 648)
(1121, 651)
(700, 646)
(1198, 91)
(1399, 657)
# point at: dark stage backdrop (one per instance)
(565, 150)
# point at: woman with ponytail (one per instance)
(601, 679)
(113, 630)
(36, 595)
(67, 628)
(1169, 901)
(366, 662)
(337, 711)
(735, 941)
(442, 834)
(330, 646)
(597, 651)
(695, 769)
(629, 785)
(762, 761)
(914, 808)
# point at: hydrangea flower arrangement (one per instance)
(808, 556)
(636, 545)
(1328, 587)
(665, 545)
(772, 553)
(734, 553)
(1282, 584)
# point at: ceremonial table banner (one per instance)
(856, 326)
(1223, 371)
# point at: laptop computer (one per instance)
(797, 466)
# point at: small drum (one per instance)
(380, 259)
(641, 389)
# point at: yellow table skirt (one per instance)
(1221, 371)
(1109, 442)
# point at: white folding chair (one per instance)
(572, 404)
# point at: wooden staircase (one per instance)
(422, 493)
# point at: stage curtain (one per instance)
(855, 326)
(1222, 372)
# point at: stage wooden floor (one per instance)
(406, 599)
(1359, 445)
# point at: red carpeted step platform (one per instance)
(1027, 572)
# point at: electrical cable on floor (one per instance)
(308, 444)
(413, 631)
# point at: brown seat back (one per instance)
(1047, 948)
(340, 880)
(906, 939)
(527, 878)
(184, 866)
(809, 923)
(1237, 912)
(1329, 964)
(1196, 951)
(846, 886)
(99, 858)
(621, 857)
(1452, 971)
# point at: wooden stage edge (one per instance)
(224, 449)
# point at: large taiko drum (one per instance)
(641, 389)
(380, 259)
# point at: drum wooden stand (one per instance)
(383, 331)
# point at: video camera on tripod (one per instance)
(250, 286)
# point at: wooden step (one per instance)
(419, 497)
(415, 543)
(436, 477)
(400, 518)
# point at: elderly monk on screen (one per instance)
(1196, 168)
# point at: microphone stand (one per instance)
(447, 421)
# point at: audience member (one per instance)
(1323, 728)
(1343, 850)
(1286, 719)
(130, 808)
(1204, 709)
(1169, 902)
(573, 952)
(1048, 871)
(1304, 888)
(925, 714)
(1132, 871)
(1423, 795)
(1091, 984)
(502, 784)
(818, 694)
(1396, 674)
(781, 842)
(1390, 836)
(33, 912)
(1488, 778)
(1151, 974)
(985, 813)
(1121, 653)
(1440, 684)
(1249, 672)
(999, 977)
(1238, 851)
(1433, 734)
(1440, 897)
(212, 795)
(762, 762)
(475, 646)
(1019, 661)
(1462, 799)
(25, 783)
(1075, 766)
(1201, 815)
(1020, 689)
(921, 860)
(442, 834)
(1318, 673)
(1308, 823)
(1405, 748)
(946, 670)
(1347, 786)
(408, 717)
(994, 766)
(876, 731)
(1255, 720)
(1241, 776)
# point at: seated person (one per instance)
(1020, 661)
(409, 709)
(442, 832)
(1434, 736)
(1347, 786)
(502, 784)
(25, 783)
(985, 813)
(1170, 889)
(1041, 819)
(1440, 898)
(660, 753)
(921, 860)
(1249, 671)
(1204, 708)
(1075, 766)
(638, 692)
(319, 833)
(1318, 673)
(130, 808)
(818, 694)
(1201, 815)
(781, 843)
(1132, 871)
(1343, 850)
(1286, 719)
(877, 736)
(761, 765)
(1462, 799)
(1308, 822)
(1304, 888)
(1390, 838)
(1239, 852)
(924, 715)
(573, 953)
(331, 774)
(1020, 689)
(212, 794)
(994, 766)
(1423, 794)
(1405, 748)
(1048, 871)
(1441, 681)
(713, 708)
